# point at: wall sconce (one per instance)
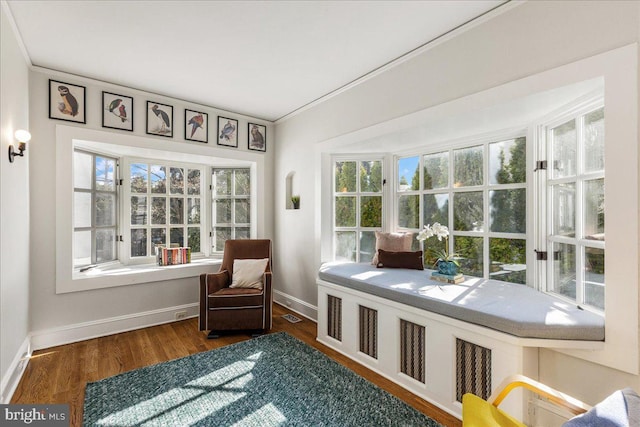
(23, 137)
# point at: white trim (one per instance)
(296, 305)
(99, 328)
(16, 33)
(498, 10)
(16, 369)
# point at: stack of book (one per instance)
(173, 256)
(458, 278)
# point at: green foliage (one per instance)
(371, 211)
(345, 177)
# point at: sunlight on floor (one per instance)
(266, 416)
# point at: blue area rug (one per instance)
(273, 380)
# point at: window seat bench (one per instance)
(506, 307)
(441, 340)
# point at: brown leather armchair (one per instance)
(223, 308)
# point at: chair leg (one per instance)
(213, 335)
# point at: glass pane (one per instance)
(193, 210)
(470, 253)
(594, 209)
(436, 171)
(139, 242)
(221, 234)
(193, 181)
(564, 270)
(176, 209)
(105, 209)
(371, 176)
(138, 210)
(594, 141)
(105, 245)
(82, 170)
(564, 150)
(508, 161)
(223, 211)
(243, 183)
(435, 209)
(564, 210)
(158, 179)
(193, 239)
(158, 210)
(138, 172)
(468, 212)
(345, 177)
(222, 182)
(508, 209)
(508, 260)
(81, 209)
(371, 211)
(158, 237)
(176, 237)
(81, 248)
(367, 245)
(409, 174)
(105, 174)
(243, 232)
(409, 211)
(594, 277)
(345, 246)
(346, 211)
(467, 167)
(242, 211)
(176, 178)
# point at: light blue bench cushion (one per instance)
(514, 309)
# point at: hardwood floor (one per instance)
(59, 374)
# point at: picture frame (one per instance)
(117, 111)
(67, 102)
(227, 132)
(159, 119)
(257, 137)
(196, 126)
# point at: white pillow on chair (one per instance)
(247, 273)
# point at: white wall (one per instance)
(14, 207)
(67, 315)
(523, 41)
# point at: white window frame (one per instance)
(125, 219)
(358, 194)
(480, 140)
(544, 183)
(233, 224)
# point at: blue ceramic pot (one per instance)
(447, 267)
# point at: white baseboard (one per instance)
(303, 308)
(99, 328)
(13, 375)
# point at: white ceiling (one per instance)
(264, 59)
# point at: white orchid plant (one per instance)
(441, 232)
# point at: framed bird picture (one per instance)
(117, 111)
(196, 126)
(159, 119)
(227, 132)
(257, 137)
(67, 102)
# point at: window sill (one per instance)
(121, 275)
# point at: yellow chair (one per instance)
(477, 412)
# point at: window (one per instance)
(480, 193)
(357, 208)
(163, 207)
(575, 198)
(231, 210)
(94, 209)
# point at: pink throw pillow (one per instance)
(392, 242)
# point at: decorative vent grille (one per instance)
(473, 370)
(334, 325)
(412, 349)
(369, 331)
